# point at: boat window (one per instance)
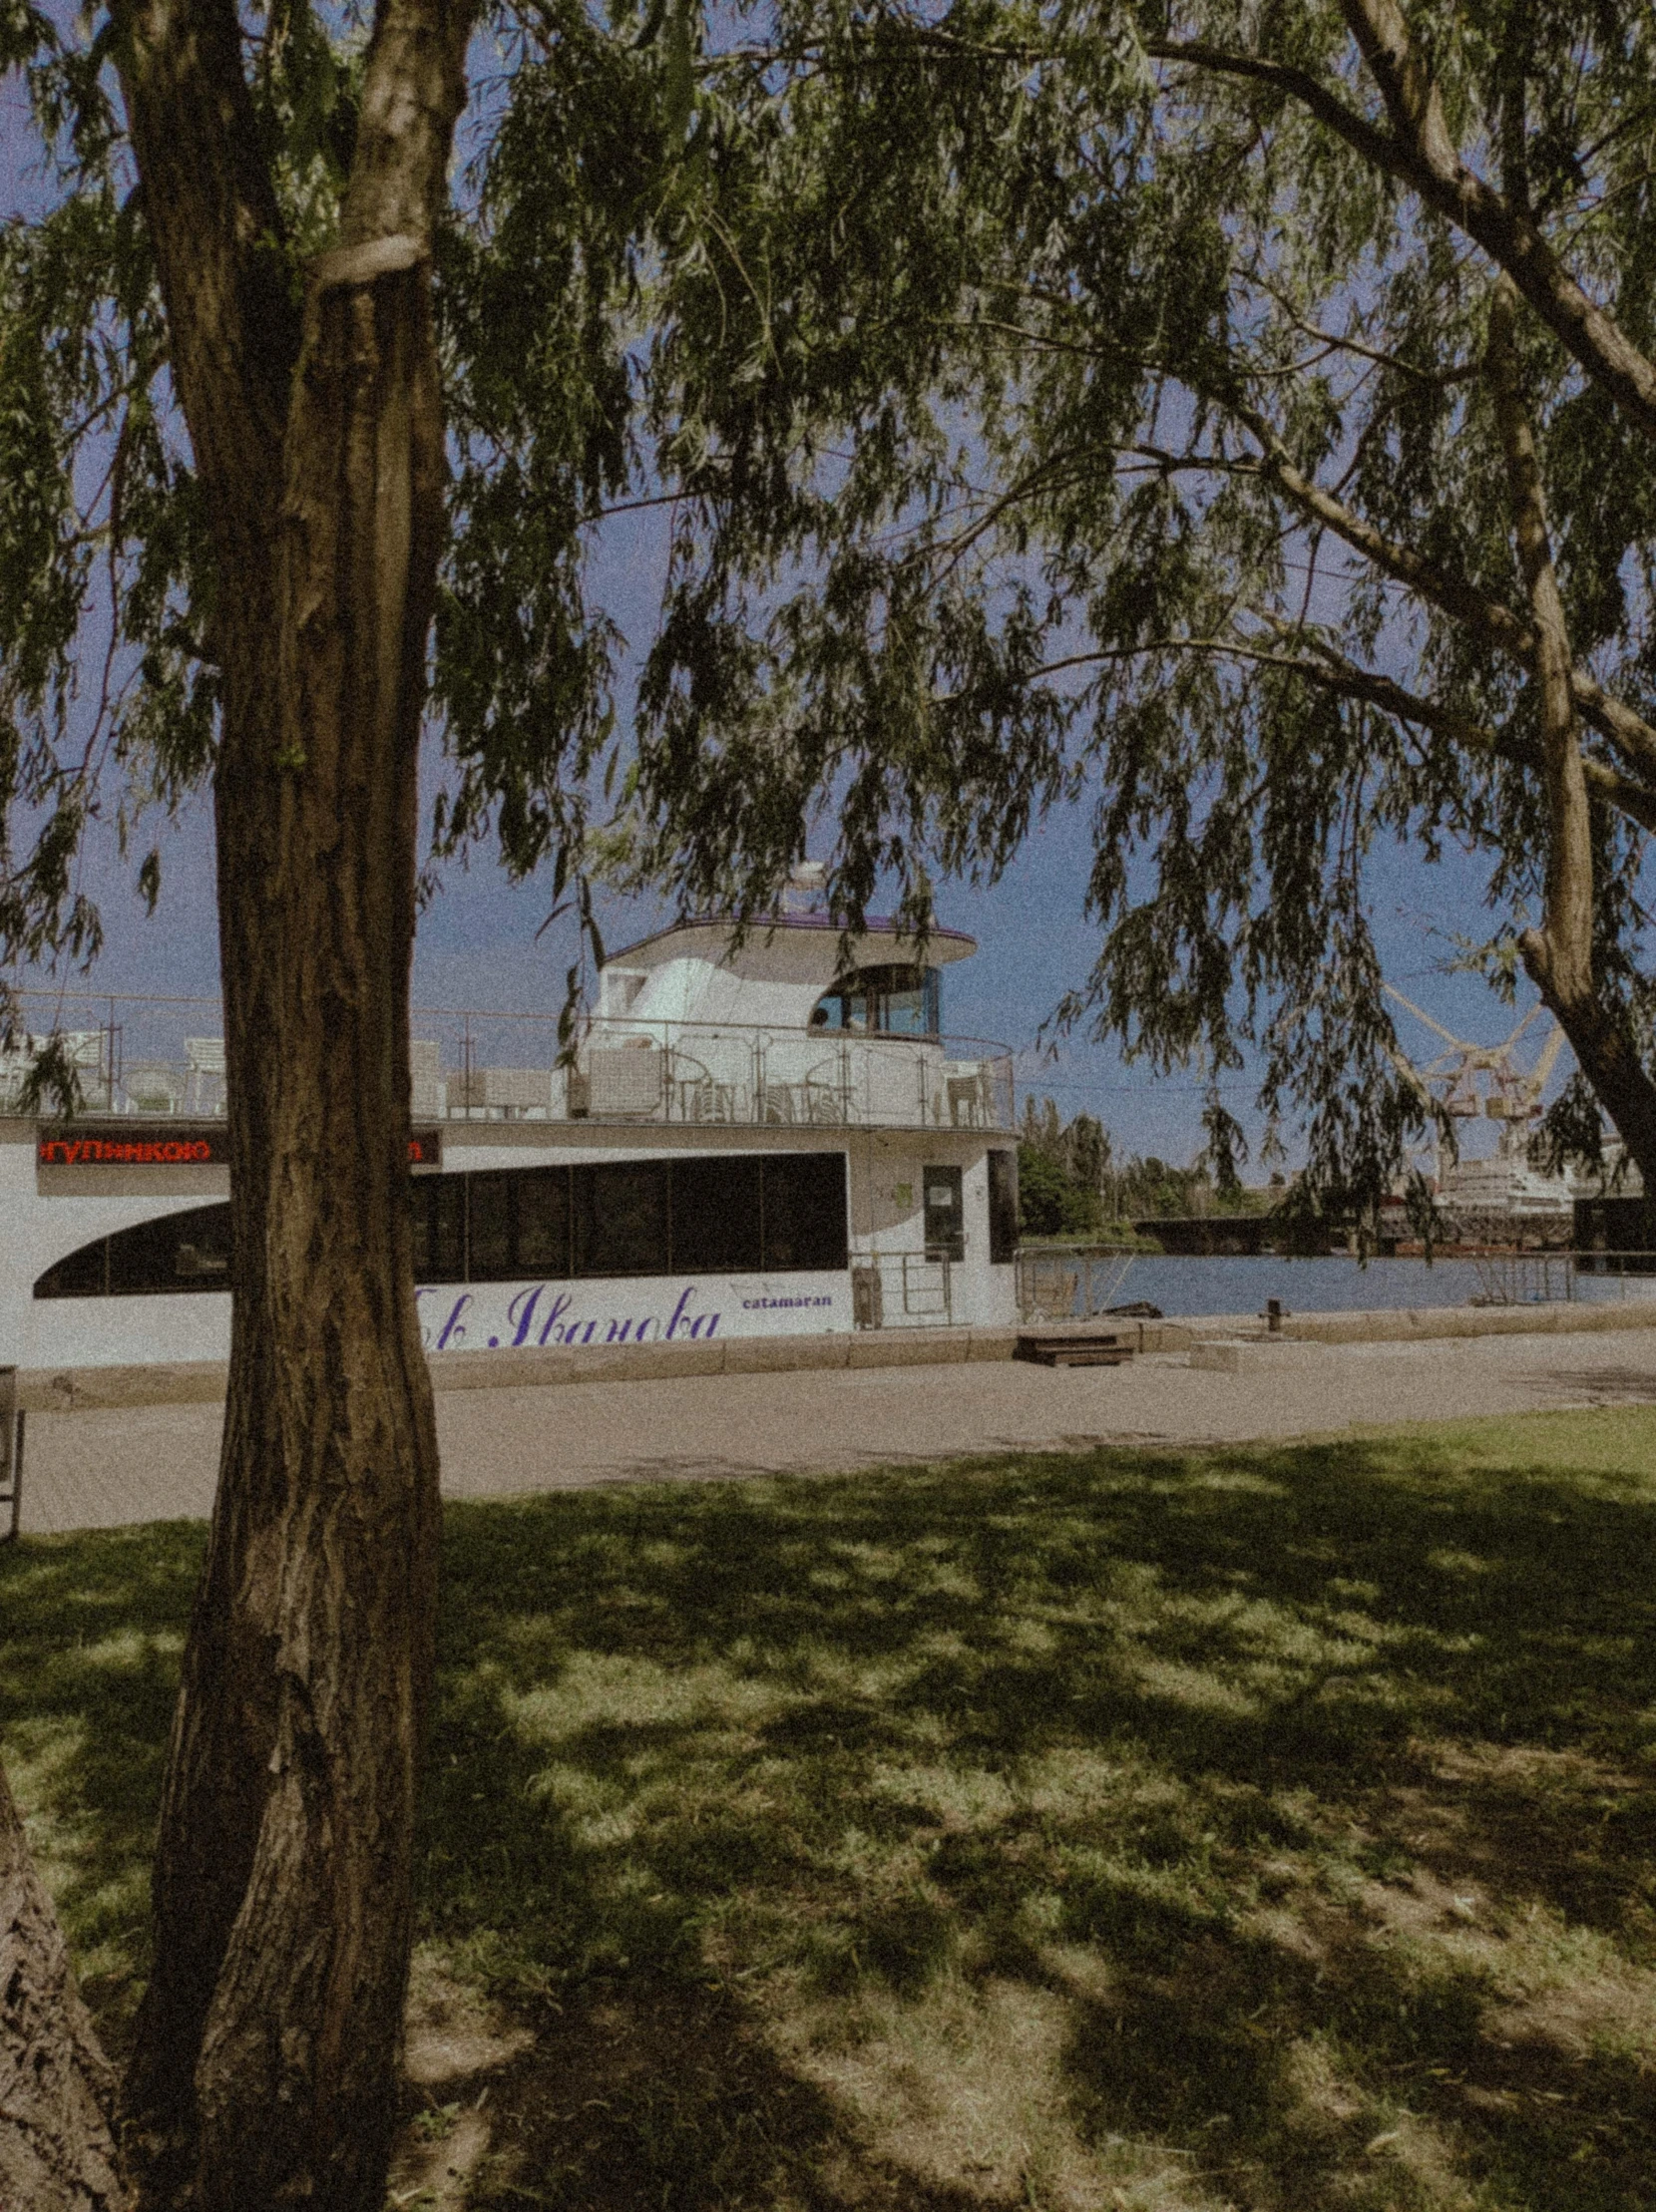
(898, 1000)
(543, 1242)
(438, 1203)
(189, 1250)
(489, 1227)
(716, 1219)
(719, 1212)
(621, 1219)
(804, 1210)
(80, 1275)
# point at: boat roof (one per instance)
(706, 930)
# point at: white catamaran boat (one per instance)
(748, 1141)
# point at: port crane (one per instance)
(1468, 1080)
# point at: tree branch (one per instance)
(210, 212)
(1419, 153)
(1331, 672)
(1559, 954)
(413, 89)
(1562, 948)
(1496, 623)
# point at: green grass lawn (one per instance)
(1256, 1827)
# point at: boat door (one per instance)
(945, 1211)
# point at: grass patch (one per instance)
(1266, 1827)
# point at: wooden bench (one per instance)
(1097, 1348)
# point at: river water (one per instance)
(1326, 1285)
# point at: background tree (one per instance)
(271, 396)
(1240, 418)
(1062, 1169)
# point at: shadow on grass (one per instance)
(1266, 1827)
(1311, 1785)
(91, 1627)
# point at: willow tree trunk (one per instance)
(57, 2091)
(1559, 954)
(268, 2043)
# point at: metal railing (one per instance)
(1542, 1278)
(1068, 1284)
(901, 1290)
(159, 1057)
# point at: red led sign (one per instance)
(134, 1146)
(150, 1146)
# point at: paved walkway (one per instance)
(105, 1468)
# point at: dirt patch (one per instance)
(458, 2052)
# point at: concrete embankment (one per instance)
(202, 1382)
(1213, 1342)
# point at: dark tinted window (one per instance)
(81, 1275)
(716, 1216)
(1003, 1208)
(544, 1221)
(201, 1251)
(179, 1252)
(439, 1207)
(489, 1238)
(621, 1219)
(804, 1210)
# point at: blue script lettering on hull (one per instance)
(543, 1314)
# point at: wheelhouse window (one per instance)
(897, 1000)
(712, 1214)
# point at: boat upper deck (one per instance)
(779, 1032)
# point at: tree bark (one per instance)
(57, 2089)
(269, 2035)
(297, 2080)
(1559, 954)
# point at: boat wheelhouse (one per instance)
(751, 1136)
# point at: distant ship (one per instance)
(1506, 1201)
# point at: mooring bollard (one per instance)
(1273, 1317)
(11, 1451)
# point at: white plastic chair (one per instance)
(205, 1057)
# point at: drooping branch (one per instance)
(1420, 152)
(1331, 672)
(1336, 673)
(1507, 233)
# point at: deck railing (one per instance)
(164, 1057)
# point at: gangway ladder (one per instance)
(11, 1454)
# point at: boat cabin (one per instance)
(748, 1135)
